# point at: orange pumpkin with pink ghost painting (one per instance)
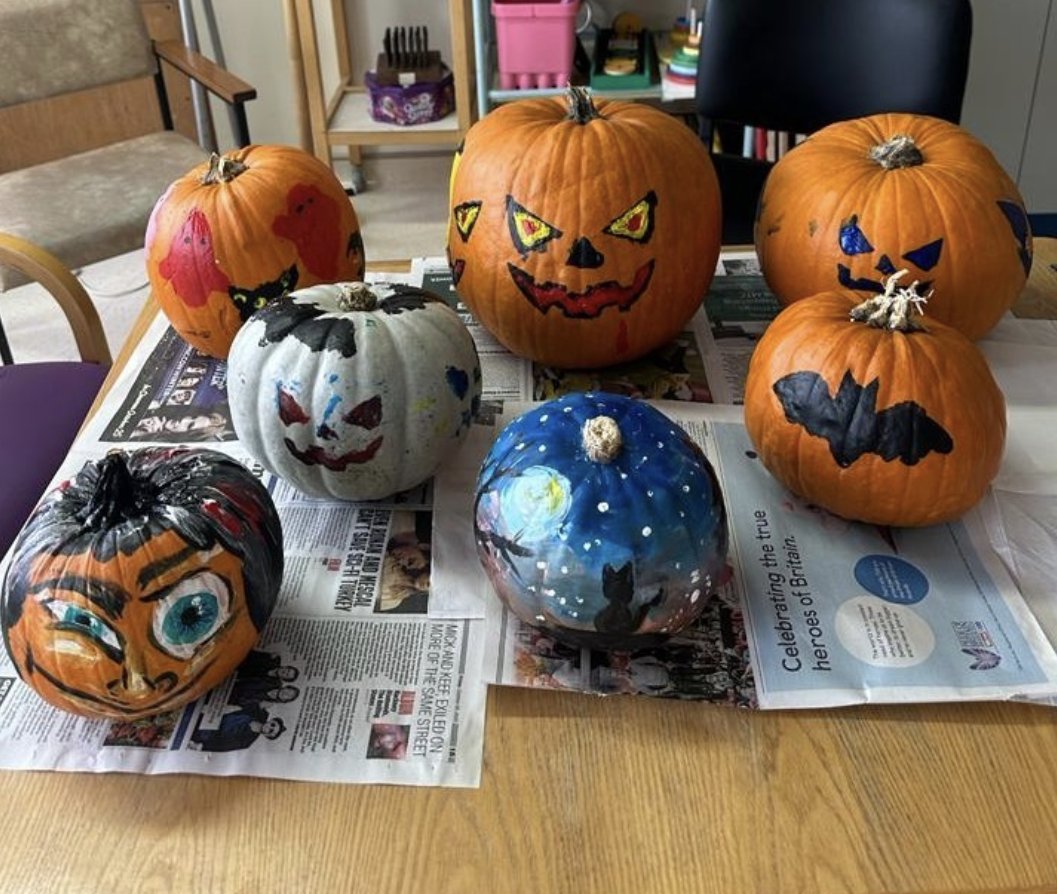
(243, 229)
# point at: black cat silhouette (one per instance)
(249, 301)
(618, 587)
(852, 424)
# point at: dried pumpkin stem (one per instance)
(899, 151)
(892, 309)
(602, 439)
(356, 296)
(581, 106)
(223, 169)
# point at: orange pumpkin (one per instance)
(862, 198)
(244, 229)
(582, 235)
(142, 582)
(877, 418)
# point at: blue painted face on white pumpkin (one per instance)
(337, 438)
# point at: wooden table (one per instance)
(586, 794)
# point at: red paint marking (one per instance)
(230, 523)
(367, 414)
(290, 411)
(191, 265)
(582, 305)
(635, 224)
(622, 337)
(313, 223)
(315, 455)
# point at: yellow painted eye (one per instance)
(529, 232)
(637, 222)
(465, 217)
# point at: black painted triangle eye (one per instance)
(528, 232)
(926, 257)
(466, 216)
(636, 223)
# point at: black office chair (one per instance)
(798, 65)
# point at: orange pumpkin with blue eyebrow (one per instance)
(582, 234)
(141, 583)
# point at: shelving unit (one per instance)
(490, 94)
(343, 119)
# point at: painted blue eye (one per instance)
(191, 613)
(190, 617)
(69, 616)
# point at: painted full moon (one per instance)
(535, 502)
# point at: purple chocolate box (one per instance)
(414, 104)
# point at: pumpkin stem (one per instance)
(356, 296)
(602, 439)
(114, 494)
(899, 151)
(581, 106)
(892, 308)
(223, 169)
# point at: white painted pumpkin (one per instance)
(351, 391)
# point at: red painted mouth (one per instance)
(315, 455)
(457, 267)
(584, 305)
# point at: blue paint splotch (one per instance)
(458, 380)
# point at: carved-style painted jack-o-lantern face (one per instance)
(586, 237)
(860, 200)
(142, 583)
(312, 441)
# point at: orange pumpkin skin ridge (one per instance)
(939, 370)
(956, 195)
(578, 180)
(217, 251)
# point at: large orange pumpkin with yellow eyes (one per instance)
(582, 234)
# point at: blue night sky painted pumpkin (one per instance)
(609, 550)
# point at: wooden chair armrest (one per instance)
(228, 87)
(43, 267)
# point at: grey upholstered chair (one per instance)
(86, 139)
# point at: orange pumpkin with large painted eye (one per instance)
(582, 235)
(244, 229)
(142, 582)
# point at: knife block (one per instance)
(404, 76)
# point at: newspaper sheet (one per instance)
(351, 680)
(819, 611)
(959, 611)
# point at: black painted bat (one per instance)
(852, 424)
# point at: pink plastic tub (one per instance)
(536, 42)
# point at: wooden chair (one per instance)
(43, 405)
(86, 139)
(798, 65)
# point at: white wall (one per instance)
(1010, 100)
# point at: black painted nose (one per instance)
(584, 254)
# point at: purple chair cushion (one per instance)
(42, 405)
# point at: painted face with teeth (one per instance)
(571, 256)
